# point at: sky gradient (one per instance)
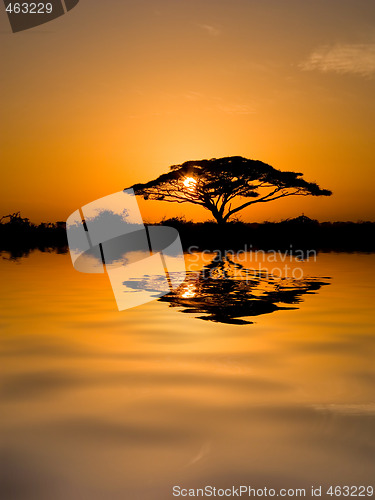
(115, 92)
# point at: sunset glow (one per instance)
(184, 82)
(190, 183)
(186, 249)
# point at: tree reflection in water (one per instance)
(225, 292)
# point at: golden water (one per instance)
(99, 404)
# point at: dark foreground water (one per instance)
(98, 404)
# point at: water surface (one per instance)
(101, 404)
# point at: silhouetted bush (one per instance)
(19, 236)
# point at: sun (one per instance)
(190, 183)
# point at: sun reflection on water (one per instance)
(189, 291)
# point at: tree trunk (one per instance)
(220, 219)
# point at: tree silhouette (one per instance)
(217, 184)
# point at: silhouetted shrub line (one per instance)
(300, 233)
(18, 236)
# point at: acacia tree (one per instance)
(225, 186)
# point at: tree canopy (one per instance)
(225, 186)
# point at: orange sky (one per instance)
(114, 92)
